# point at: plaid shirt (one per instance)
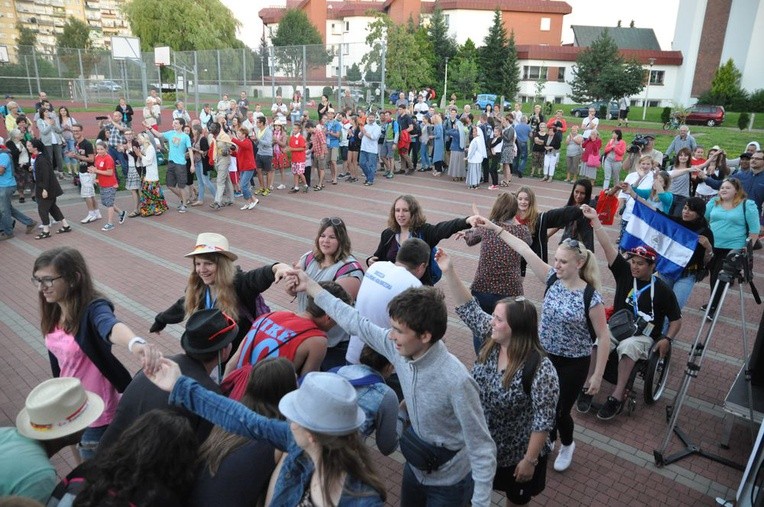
(319, 142)
(115, 135)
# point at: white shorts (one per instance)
(87, 188)
(635, 347)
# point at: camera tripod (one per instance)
(697, 353)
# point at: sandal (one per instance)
(63, 230)
(134, 214)
(43, 235)
(504, 184)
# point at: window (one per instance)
(656, 77)
(347, 26)
(558, 100)
(346, 49)
(561, 74)
(533, 73)
(336, 71)
(546, 24)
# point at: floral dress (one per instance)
(280, 160)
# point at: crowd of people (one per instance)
(365, 343)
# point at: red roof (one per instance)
(543, 6)
(569, 54)
(340, 10)
(271, 15)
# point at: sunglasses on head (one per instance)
(572, 243)
(332, 220)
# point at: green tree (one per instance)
(511, 70)
(354, 73)
(294, 31)
(493, 54)
(26, 39)
(601, 73)
(538, 95)
(76, 34)
(725, 87)
(426, 52)
(444, 45)
(183, 25)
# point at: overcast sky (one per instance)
(585, 12)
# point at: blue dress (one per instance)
(439, 144)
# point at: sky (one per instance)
(585, 12)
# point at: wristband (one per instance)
(136, 339)
(668, 338)
(533, 462)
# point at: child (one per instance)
(475, 156)
(297, 148)
(319, 153)
(103, 167)
(280, 160)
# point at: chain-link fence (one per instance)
(95, 77)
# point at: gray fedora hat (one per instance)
(325, 403)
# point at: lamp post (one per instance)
(445, 87)
(647, 88)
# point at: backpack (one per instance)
(588, 294)
(344, 269)
(529, 370)
(366, 380)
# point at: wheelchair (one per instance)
(653, 371)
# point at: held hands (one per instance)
(443, 260)
(166, 375)
(296, 281)
(150, 356)
(280, 270)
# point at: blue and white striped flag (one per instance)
(674, 243)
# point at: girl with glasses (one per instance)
(79, 328)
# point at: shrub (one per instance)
(666, 115)
(743, 120)
(327, 91)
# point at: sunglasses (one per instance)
(332, 220)
(572, 243)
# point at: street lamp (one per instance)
(647, 88)
(445, 87)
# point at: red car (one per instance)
(701, 114)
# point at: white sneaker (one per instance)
(88, 219)
(98, 215)
(253, 204)
(281, 187)
(564, 457)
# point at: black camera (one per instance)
(737, 264)
(637, 144)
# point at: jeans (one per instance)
(204, 183)
(424, 155)
(119, 158)
(8, 213)
(368, 163)
(682, 288)
(414, 494)
(522, 157)
(89, 442)
(245, 183)
(56, 156)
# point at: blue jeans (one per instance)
(682, 288)
(368, 163)
(89, 442)
(414, 494)
(121, 159)
(8, 213)
(522, 157)
(424, 155)
(246, 188)
(204, 182)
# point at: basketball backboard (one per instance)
(126, 48)
(162, 56)
(4, 54)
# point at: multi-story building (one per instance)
(48, 17)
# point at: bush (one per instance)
(603, 112)
(666, 115)
(743, 120)
(327, 91)
(756, 101)
(169, 98)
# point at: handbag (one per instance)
(593, 160)
(607, 207)
(423, 455)
(623, 324)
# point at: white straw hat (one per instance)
(212, 242)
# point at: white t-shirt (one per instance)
(420, 109)
(590, 123)
(383, 281)
(280, 109)
(631, 179)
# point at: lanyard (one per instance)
(209, 303)
(636, 293)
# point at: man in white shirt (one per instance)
(279, 108)
(421, 108)
(385, 280)
(223, 105)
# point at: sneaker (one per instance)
(266, 192)
(88, 219)
(253, 204)
(238, 194)
(610, 409)
(245, 207)
(294, 190)
(182, 209)
(4, 236)
(584, 402)
(123, 215)
(389, 175)
(342, 175)
(564, 457)
(98, 215)
(281, 187)
(107, 227)
(493, 187)
(215, 205)
(305, 189)
(369, 183)
(30, 227)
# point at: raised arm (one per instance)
(605, 242)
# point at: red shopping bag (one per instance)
(607, 207)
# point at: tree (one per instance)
(74, 38)
(354, 73)
(75, 34)
(444, 45)
(405, 67)
(26, 39)
(725, 87)
(511, 70)
(295, 30)
(493, 54)
(426, 53)
(183, 25)
(464, 73)
(601, 73)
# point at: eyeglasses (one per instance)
(757, 158)
(46, 282)
(332, 220)
(573, 244)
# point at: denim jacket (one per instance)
(297, 469)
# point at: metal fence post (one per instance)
(273, 72)
(36, 71)
(244, 65)
(29, 78)
(220, 83)
(339, 78)
(82, 78)
(304, 68)
(196, 83)
(382, 93)
(58, 69)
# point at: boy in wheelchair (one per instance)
(644, 296)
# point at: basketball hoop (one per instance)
(162, 56)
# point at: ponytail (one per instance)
(590, 271)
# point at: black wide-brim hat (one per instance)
(208, 331)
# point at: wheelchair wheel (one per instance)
(656, 376)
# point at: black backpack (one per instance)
(588, 294)
(529, 370)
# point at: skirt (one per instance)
(152, 199)
(280, 161)
(133, 180)
(474, 172)
(456, 166)
(588, 172)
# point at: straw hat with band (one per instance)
(211, 242)
(325, 403)
(57, 408)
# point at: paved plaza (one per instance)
(140, 267)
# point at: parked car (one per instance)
(612, 112)
(485, 99)
(701, 114)
(105, 86)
